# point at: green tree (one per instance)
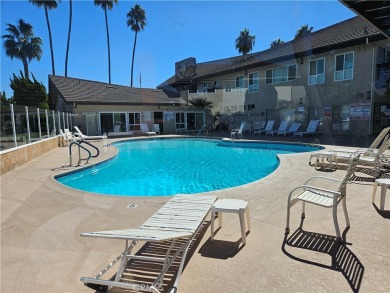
(48, 4)
(3, 97)
(303, 31)
(68, 42)
(245, 42)
(107, 4)
(276, 42)
(21, 43)
(29, 92)
(201, 103)
(136, 20)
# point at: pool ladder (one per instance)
(79, 149)
(200, 130)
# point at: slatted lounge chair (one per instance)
(258, 126)
(238, 131)
(117, 132)
(320, 196)
(67, 138)
(293, 128)
(145, 129)
(372, 159)
(268, 127)
(88, 137)
(282, 127)
(374, 145)
(311, 129)
(177, 223)
(156, 128)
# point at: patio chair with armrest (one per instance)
(258, 126)
(238, 131)
(145, 129)
(173, 227)
(321, 196)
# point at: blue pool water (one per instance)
(161, 167)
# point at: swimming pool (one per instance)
(162, 167)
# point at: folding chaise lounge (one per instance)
(268, 127)
(311, 129)
(176, 223)
(293, 128)
(88, 137)
(258, 126)
(282, 127)
(117, 132)
(238, 131)
(145, 129)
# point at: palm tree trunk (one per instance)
(25, 65)
(132, 61)
(67, 45)
(51, 41)
(108, 45)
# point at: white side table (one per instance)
(320, 156)
(237, 206)
(385, 184)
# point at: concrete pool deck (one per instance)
(42, 251)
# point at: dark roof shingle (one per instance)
(76, 90)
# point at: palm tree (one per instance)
(48, 4)
(136, 20)
(201, 103)
(67, 44)
(107, 4)
(21, 43)
(276, 42)
(303, 31)
(245, 42)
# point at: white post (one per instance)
(13, 124)
(28, 125)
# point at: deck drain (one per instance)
(132, 206)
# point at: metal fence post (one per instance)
(13, 124)
(39, 124)
(28, 125)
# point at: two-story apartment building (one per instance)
(339, 75)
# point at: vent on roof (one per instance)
(110, 86)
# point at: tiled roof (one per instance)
(76, 90)
(339, 34)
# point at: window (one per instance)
(317, 71)
(216, 83)
(240, 84)
(344, 66)
(251, 107)
(253, 82)
(134, 121)
(281, 74)
(180, 124)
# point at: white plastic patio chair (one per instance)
(156, 128)
(320, 196)
(88, 137)
(238, 131)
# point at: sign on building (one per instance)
(360, 111)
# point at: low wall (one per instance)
(10, 159)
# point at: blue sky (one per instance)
(176, 30)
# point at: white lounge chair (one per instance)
(258, 126)
(145, 129)
(311, 129)
(238, 131)
(117, 132)
(156, 128)
(174, 225)
(320, 196)
(282, 127)
(88, 137)
(268, 127)
(293, 128)
(67, 137)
